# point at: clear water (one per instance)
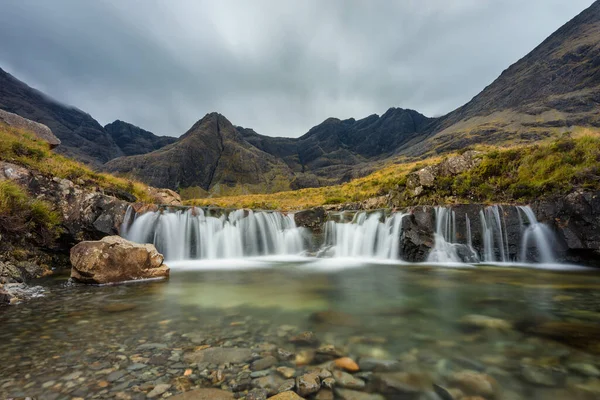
(68, 343)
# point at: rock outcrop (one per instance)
(39, 130)
(114, 259)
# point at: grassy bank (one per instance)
(23, 148)
(504, 175)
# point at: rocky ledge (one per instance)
(114, 259)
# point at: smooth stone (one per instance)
(286, 396)
(347, 363)
(286, 372)
(474, 383)
(219, 355)
(400, 384)
(584, 369)
(259, 374)
(347, 394)
(159, 390)
(308, 384)
(152, 346)
(136, 366)
(543, 375)
(347, 381)
(307, 338)
(287, 385)
(284, 355)
(204, 394)
(263, 363)
(257, 394)
(116, 375)
(324, 394)
(474, 321)
(376, 365)
(270, 383)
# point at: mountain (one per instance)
(133, 140)
(211, 155)
(82, 137)
(551, 90)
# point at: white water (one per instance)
(193, 234)
(368, 235)
(190, 234)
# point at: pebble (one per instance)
(585, 369)
(136, 367)
(347, 394)
(308, 384)
(159, 390)
(347, 381)
(474, 383)
(347, 363)
(263, 363)
(286, 372)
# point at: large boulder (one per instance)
(40, 130)
(114, 259)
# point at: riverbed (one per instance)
(123, 341)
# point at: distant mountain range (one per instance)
(553, 89)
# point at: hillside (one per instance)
(134, 140)
(211, 156)
(553, 88)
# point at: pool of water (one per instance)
(535, 332)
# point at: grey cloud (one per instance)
(279, 67)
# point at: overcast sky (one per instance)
(279, 67)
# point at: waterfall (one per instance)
(539, 234)
(367, 235)
(445, 237)
(191, 234)
(532, 238)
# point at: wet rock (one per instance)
(219, 355)
(347, 394)
(305, 357)
(158, 390)
(327, 353)
(116, 375)
(204, 394)
(308, 384)
(114, 259)
(335, 318)
(324, 394)
(284, 355)
(287, 385)
(328, 383)
(347, 364)
(585, 369)
(270, 383)
(136, 366)
(443, 393)
(376, 365)
(400, 385)
(257, 394)
(345, 380)
(263, 363)
(119, 307)
(286, 372)
(307, 338)
(543, 375)
(583, 335)
(474, 383)
(475, 322)
(313, 219)
(286, 396)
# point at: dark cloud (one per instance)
(279, 67)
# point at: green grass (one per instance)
(513, 174)
(22, 148)
(19, 214)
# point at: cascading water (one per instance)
(190, 234)
(539, 234)
(194, 233)
(366, 236)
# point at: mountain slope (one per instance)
(82, 137)
(134, 140)
(553, 88)
(211, 155)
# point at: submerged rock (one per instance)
(219, 355)
(204, 394)
(114, 259)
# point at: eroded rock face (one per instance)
(40, 130)
(114, 259)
